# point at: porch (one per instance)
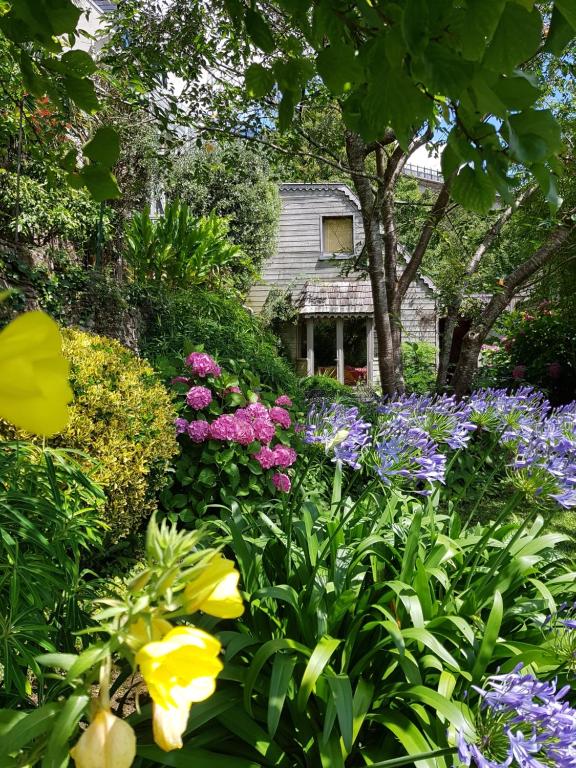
(335, 333)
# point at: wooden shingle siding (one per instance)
(299, 261)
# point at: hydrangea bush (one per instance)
(236, 439)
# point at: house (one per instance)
(320, 231)
(91, 23)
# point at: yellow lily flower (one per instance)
(34, 389)
(215, 590)
(108, 742)
(145, 631)
(179, 669)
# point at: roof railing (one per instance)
(421, 172)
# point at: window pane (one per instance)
(337, 233)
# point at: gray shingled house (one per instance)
(320, 229)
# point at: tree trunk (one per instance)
(467, 363)
(450, 324)
(355, 150)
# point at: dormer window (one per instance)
(337, 236)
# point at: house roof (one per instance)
(336, 297)
(104, 6)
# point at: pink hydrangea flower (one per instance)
(203, 365)
(282, 482)
(181, 426)
(519, 372)
(265, 457)
(257, 410)
(232, 390)
(280, 416)
(224, 428)
(264, 430)
(284, 456)
(198, 431)
(198, 398)
(244, 432)
(283, 400)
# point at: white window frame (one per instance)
(330, 255)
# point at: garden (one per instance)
(206, 558)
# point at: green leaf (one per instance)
(282, 670)
(361, 705)
(534, 135)
(25, 730)
(473, 190)
(87, 659)
(318, 660)
(415, 22)
(57, 660)
(568, 10)
(393, 100)
(430, 641)
(286, 110)
(517, 38)
(260, 658)
(259, 31)
(446, 72)
(489, 639)
(517, 91)
(259, 81)
(78, 63)
(560, 32)
(342, 692)
(56, 754)
(408, 734)
(339, 67)
(199, 758)
(439, 704)
(100, 182)
(103, 147)
(81, 91)
(479, 21)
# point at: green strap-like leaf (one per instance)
(282, 670)
(316, 664)
(491, 632)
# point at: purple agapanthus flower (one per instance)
(340, 430)
(522, 722)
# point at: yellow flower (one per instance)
(179, 669)
(108, 742)
(146, 630)
(34, 389)
(215, 590)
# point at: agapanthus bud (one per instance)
(108, 741)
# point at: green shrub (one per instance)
(180, 321)
(419, 359)
(49, 520)
(536, 347)
(180, 250)
(325, 388)
(122, 417)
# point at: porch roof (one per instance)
(338, 297)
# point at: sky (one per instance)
(421, 157)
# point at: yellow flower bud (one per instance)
(215, 590)
(146, 630)
(34, 389)
(108, 742)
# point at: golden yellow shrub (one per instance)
(122, 417)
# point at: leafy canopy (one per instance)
(417, 64)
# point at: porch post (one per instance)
(310, 345)
(340, 350)
(370, 350)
